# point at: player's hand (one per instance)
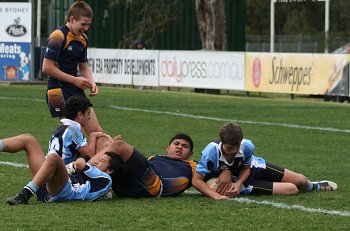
(221, 197)
(224, 181)
(79, 164)
(93, 89)
(118, 137)
(234, 190)
(81, 82)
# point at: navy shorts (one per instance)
(264, 178)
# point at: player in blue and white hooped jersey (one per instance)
(51, 181)
(68, 140)
(231, 159)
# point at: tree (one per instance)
(154, 16)
(211, 18)
(151, 18)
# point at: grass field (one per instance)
(304, 135)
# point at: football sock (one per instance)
(310, 187)
(316, 186)
(1, 145)
(31, 188)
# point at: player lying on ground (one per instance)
(231, 159)
(51, 181)
(155, 176)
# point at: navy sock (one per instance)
(32, 188)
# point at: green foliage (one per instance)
(305, 18)
(148, 118)
(149, 20)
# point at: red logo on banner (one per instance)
(256, 72)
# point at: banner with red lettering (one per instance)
(294, 73)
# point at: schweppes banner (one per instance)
(316, 74)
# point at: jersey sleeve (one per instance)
(247, 148)
(83, 57)
(77, 137)
(54, 45)
(99, 179)
(209, 160)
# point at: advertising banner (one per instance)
(317, 74)
(202, 69)
(129, 67)
(15, 41)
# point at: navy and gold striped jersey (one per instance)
(67, 50)
(154, 177)
(176, 175)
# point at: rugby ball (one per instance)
(212, 183)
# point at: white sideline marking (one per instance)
(209, 118)
(298, 207)
(25, 99)
(13, 164)
(238, 121)
(282, 205)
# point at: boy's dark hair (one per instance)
(117, 165)
(231, 133)
(183, 136)
(74, 105)
(79, 9)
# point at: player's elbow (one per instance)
(46, 66)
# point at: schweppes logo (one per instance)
(16, 29)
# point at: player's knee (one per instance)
(117, 145)
(52, 158)
(29, 139)
(292, 189)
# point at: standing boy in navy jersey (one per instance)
(65, 57)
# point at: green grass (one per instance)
(318, 154)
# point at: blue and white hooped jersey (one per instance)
(87, 185)
(67, 140)
(212, 162)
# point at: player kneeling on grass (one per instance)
(51, 181)
(238, 171)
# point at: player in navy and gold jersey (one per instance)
(155, 176)
(65, 57)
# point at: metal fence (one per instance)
(293, 44)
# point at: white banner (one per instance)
(16, 22)
(130, 67)
(202, 69)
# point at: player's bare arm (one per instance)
(203, 187)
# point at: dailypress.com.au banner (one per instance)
(292, 73)
(129, 67)
(15, 40)
(202, 69)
